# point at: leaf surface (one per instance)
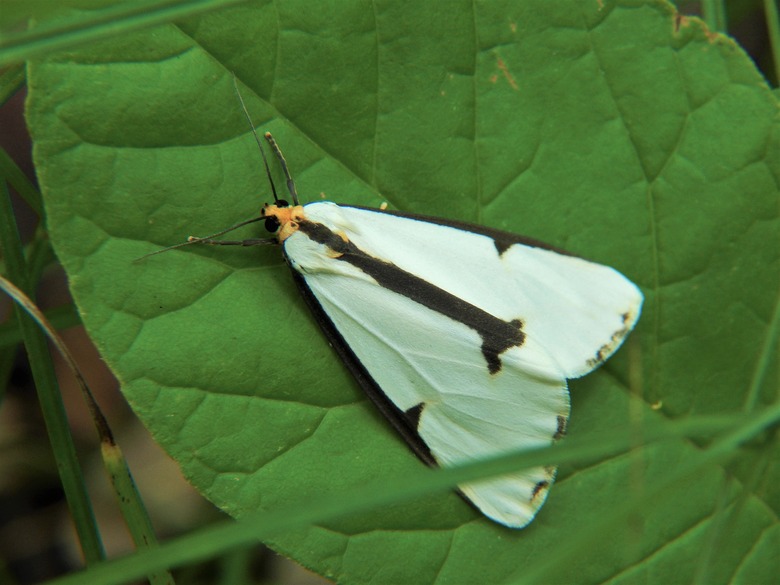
(615, 130)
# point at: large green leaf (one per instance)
(612, 129)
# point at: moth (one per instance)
(463, 336)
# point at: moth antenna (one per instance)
(283, 162)
(195, 240)
(257, 139)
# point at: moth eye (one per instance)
(282, 203)
(272, 224)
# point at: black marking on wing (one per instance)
(501, 239)
(492, 353)
(615, 341)
(561, 430)
(414, 413)
(497, 335)
(397, 417)
(539, 487)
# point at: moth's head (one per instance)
(282, 219)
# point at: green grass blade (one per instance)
(133, 511)
(577, 544)
(130, 503)
(715, 15)
(226, 536)
(49, 395)
(773, 24)
(17, 179)
(60, 34)
(11, 80)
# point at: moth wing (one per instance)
(441, 395)
(425, 369)
(578, 311)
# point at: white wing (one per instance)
(573, 314)
(578, 311)
(421, 357)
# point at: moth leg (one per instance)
(250, 242)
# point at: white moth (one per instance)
(463, 336)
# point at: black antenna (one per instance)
(252, 242)
(283, 162)
(257, 139)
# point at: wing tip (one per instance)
(507, 508)
(628, 320)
